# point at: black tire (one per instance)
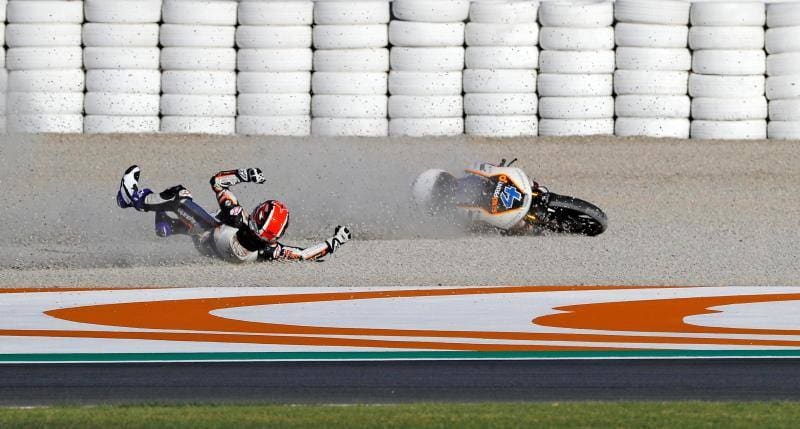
(574, 216)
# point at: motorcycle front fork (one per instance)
(537, 214)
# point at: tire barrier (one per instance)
(728, 66)
(274, 79)
(44, 45)
(652, 70)
(350, 80)
(783, 81)
(122, 91)
(427, 59)
(198, 63)
(577, 39)
(490, 68)
(500, 76)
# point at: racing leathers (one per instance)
(235, 241)
(227, 235)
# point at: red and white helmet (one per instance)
(269, 220)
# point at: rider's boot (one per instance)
(129, 194)
(175, 193)
(177, 201)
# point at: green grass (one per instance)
(506, 415)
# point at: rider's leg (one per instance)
(130, 194)
(177, 200)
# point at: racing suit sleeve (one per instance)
(290, 253)
(231, 212)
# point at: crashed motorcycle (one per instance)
(503, 197)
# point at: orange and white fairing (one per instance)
(509, 200)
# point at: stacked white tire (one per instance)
(427, 60)
(576, 66)
(351, 61)
(121, 56)
(651, 80)
(274, 80)
(783, 70)
(44, 60)
(500, 77)
(198, 62)
(728, 66)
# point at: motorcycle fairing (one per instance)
(498, 196)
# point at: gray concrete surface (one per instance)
(680, 212)
(393, 382)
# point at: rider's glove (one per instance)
(341, 235)
(253, 175)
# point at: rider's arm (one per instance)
(317, 251)
(231, 212)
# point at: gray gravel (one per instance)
(680, 212)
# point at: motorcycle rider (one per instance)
(234, 234)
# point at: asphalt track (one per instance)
(392, 382)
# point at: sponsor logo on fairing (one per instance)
(496, 196)
(501, 182)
